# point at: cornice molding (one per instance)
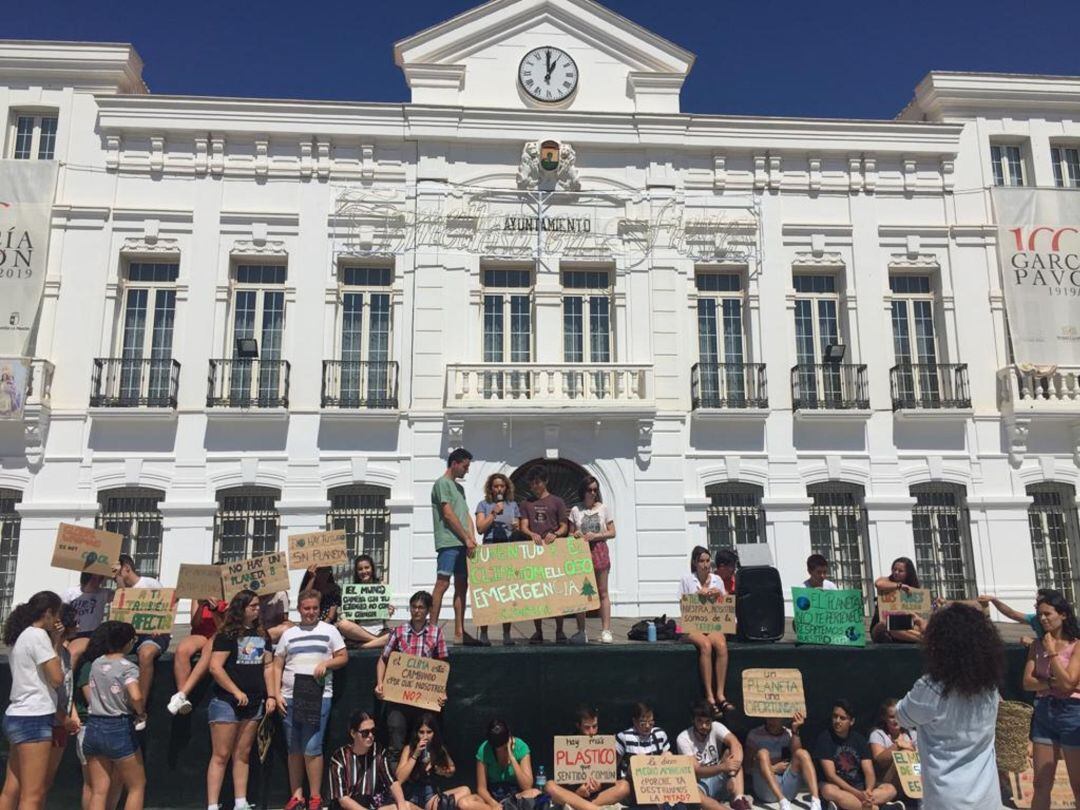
(90, 67)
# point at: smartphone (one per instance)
(899, 621)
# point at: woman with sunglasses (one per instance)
(592, 522)
(360, 778)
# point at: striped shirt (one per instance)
(304, 647)
(428, 642)
(630, 743)
(365, 778)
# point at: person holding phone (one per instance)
(902, 577)
(779, 764)
(497, 520)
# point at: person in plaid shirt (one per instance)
(420, 638)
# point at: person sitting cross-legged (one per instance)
(360, 778)
(718, 758)
(847, 766)
(780, 765)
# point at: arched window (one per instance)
(133, 513)
(247, 523)
(838, 532)
(564, 479)
(942, 530)
(735, 515)
(361, 510)
(9, 547)
(1055, 536)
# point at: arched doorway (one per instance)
(564, 479)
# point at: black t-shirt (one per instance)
(244, 665)
(846, 754)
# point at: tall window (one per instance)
(914, 338)
(735, 515)
(246, 524)
(33, 136)
(133, 513)
(720, 335)
(838, 532)
(817, 325)
(1007, 162)
(1066, 163)
(507, 328)
(942, 531)
(362, 512)
(586, 326)
(258, 312)
(1055, 536)
(9, 548)
(365, 334)
(147, 330)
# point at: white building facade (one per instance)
(265, 317)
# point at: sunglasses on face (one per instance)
(366, 732)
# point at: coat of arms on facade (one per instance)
(548, 161)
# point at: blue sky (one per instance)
(829, 58)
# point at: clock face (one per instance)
(548, 74)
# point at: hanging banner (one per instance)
(26, 197)
(1038, 242)
(14, 382)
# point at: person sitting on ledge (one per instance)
(503, 770)
(424, 762)
(148, 646)
(710, 646)
(902, 577)
(274, 614)
(719, 772)
(727, 563)
(206, 618)
(360, 778)
(370, 636)
(579, 797)
(818, 569)
(781, 766)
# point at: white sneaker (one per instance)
(815, 803)
(179, 704)
(784, 805)
(606, 637)
(140, 723)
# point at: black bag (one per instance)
(517, 803)
(665, 629)
(446, 802)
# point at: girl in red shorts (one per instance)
(592, 523)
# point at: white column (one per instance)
(787, 530)
(398, 555)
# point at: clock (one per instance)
(548, 74)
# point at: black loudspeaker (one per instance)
(759, 603)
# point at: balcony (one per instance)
(728, 386)
(360, 384)
(548, 387)
(248, 383)
(830, 389)
(122, 382)
(933, 388)
(1053, 391)
(28, 434)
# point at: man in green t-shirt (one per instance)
(455, 539)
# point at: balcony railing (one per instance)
(549, 385)
(728, 385)
(929, 386)
(360, 384)
(235, 383)
(829, 386)
(1050, 390)
(123, 382)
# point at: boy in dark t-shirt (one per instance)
(847, 768)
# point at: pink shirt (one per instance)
(1042, 667)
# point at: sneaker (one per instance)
(140, 723)
(606, 637)
(785, 805)
(314, 803)
(295, 803)
(741, 803)
(815, 803)
(179, 704)
(579, 638)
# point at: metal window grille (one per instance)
(734, 515)
(564, 480)
(247, 523)
(9, 547)
(133, 513)
(838, 532)
(1055, 536)
(361, 510)
(941, 526)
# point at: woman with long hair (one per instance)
(887, 737)
(241, 665)
(498, 519)
(424, 761)
(902, 577)
(97, 646)
(593, 523)
(321, 578)
(953, 706)
(34, 658)
(206, 617)
(503, 770)
(712, 647)
(369, 636)
(1052, 672)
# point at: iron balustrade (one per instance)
(132, 382)
(360, 384)
(929, 386)
(829, 386)
(248, 383)
(728, 385)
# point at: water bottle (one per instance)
(650, 632)
(541, 778)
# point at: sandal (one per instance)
(723, 708)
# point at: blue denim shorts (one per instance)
(452, 562)
(28, 728)
(1056, 721)
(110, 737)
(306, 738)
(222, 711)
(162, 642)
(715, 787)
(419, 793)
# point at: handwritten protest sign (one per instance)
(909, 772)
(512, 582)
(664, 779)
(317, 548)
(1061, 795)
(829, 617)
(91, 551)
(364, 603)
(707, 614)
(917, 600)
(266, 574)
(772, 692)
(415, 681)
(148, 610)
(199, 582)
(580, 757)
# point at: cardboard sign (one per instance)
(267, 574)
(664, 779)
(365, 603)
(773, 692)
(580, 757)
(317, 548)
(917, 600)
(513, 582)
(707, 614)
(415, 681)
(199, 582)
(148, 610)
(909, 772)
(1061, 795)
(91, 551)
(834, 618)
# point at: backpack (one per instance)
(665, 629)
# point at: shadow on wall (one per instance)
(132, 436)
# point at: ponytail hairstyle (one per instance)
(233, 624)
(30, 611)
